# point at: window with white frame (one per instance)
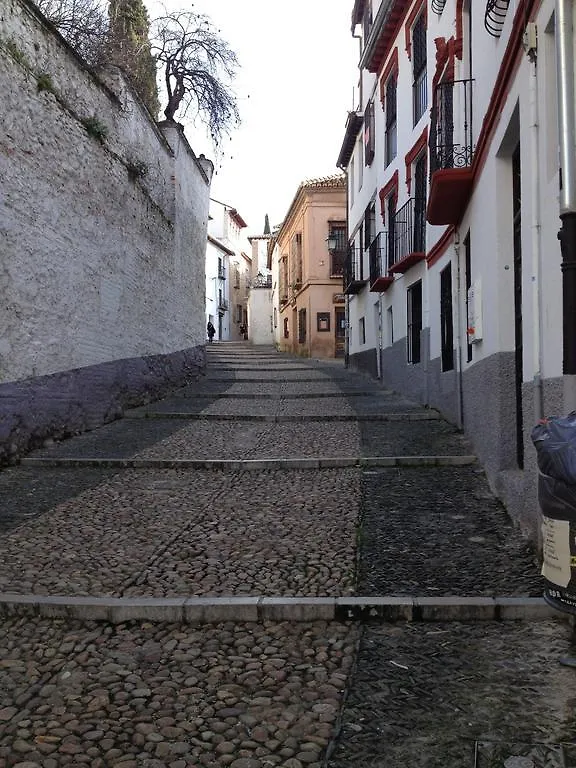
(391, 123)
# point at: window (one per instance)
(446, 322)
(390, 325)
(238, 313)
(302, 326)
(360, 163)
(286, 332)
(391, 220)
(337, 230)
(296, 259)
(275, 321)
(362, 331)
(221, 273)
(323, 321)
(369, 225)
(420, 165)
(420, 83)
(369, 133)
(391, 132)
(414, 307)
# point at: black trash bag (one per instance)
(555, 442)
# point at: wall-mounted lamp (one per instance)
(332, 242)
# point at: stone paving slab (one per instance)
(440, 531)
(134, 695)
(166, 533)
(457, 695)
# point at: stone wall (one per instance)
(103, 218)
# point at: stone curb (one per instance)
(206, 610)
(282, 396)
(283, 419)
(335, 462)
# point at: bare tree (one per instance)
(198, 68)
(83, 23)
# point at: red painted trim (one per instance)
(414, 13)
(459, 41)
(413, 153)
(391, 187)
(440, 248)
(390, 68)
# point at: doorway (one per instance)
(340, 332)
(518, 347)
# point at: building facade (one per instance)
(307, 259)
(453, 275)
(227, 293)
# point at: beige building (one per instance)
(310, 249)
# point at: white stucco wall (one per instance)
(96, 265)
(260, 314)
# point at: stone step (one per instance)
(200, 610)
(234, 465)
(282, 418)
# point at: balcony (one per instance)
(221, 273)
(451, 152)
(354, 280)
(380, 277)
(407, 236)
(222, 305)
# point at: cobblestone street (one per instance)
(267, 479)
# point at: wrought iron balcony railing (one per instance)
(221, 273)
(407, 231)
(495, 15)
(451, 126)
(378, 252)
(353, 270)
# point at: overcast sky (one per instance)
(295, 88)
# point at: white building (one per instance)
(228, 270)
(260, 309)
(453, 279)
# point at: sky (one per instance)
(295, 86)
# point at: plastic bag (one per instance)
(555, 442)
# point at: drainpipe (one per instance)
(459, 387)
(535, 226)
(567, 234)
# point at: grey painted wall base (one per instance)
(73, 401)
(365, 361)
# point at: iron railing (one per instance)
(378, 252)
(337, 260)
(495, 15)
(451, 141)
(438, 6)
(221, 273)
(223, 305)
(353, 266)
(408, 230)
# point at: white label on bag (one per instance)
(556, 551)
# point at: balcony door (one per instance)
(420, 204)
(445, 135)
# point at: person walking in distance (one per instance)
(211, 331)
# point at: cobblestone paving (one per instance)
(457, 695)
(253, 696)
(203, 533)
(142, 696)
(440, 532)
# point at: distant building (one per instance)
(227, 272)
(306, 259)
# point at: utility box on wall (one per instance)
(474, 300)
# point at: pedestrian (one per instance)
(243, 331)
(211, 331)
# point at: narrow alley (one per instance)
(280, 564)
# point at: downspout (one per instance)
(567, 234)
(459, 387)
(535, 226)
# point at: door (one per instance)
(340, 333)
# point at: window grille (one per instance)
(438, 6)
(391, 123)
(420, 85)
(302, 326)
(369, 134)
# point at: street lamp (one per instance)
(332, 242)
